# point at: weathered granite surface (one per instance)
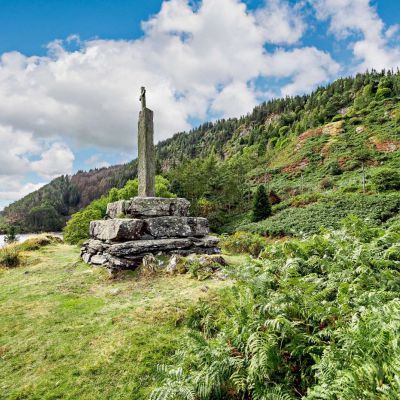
(116, 229)
(146, 163)
(140, 207)
(155, 226)
(165, 227)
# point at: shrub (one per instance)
(383, 93)
(261, 205)
(283, 130)
(326, 183)
(337, 117)
(244, 242)
(333, 168)
(386, 179)
(356, 120)
(10, 256)
(11, 236)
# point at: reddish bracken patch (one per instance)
(388, 146)
(343, 161)
(307, 135)
(331, 129)
(296, 166)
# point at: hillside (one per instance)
(316, 146)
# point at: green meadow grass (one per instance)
(67, 331)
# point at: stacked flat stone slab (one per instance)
(146, 225)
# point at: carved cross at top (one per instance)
(142, 97)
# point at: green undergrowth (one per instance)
(315, 318)
(68, 331)
(315, 211)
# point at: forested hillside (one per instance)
(311, 151)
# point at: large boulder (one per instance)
(166, 227)
(138, 247)
(116, 209)
(116, 229)
(173, 245)
(142, 207)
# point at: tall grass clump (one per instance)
(244, 242)
(314, 318)
(37, 242)
(10, 256)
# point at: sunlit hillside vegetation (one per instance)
(306, 149)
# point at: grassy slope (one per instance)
(304, 162)
(68, 331)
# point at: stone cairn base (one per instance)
(146, 225)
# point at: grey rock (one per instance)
(175, 227)
(207, 241)
(94, 246)
(116, 229)
(118, 263)
(149, 264)
(172, 265)
(199, 226)
(116, 208)
(156, 207)
(98, 260)
(86, 257)
(139, 247)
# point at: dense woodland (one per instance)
(218, 166)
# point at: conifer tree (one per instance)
(261, 206)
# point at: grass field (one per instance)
(69, 332)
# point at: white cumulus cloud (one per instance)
(55, 161)
(195, 61)
(281, 23)
(349, 19)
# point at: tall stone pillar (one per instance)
(146, 164)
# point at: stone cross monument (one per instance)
(146, 225)
(146, 164)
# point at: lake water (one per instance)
(25, 236)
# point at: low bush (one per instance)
(333, 168)
(326, 183)
(337, 117)
(244, 242)
(383, 93)
(356, 120)
(327, 213)
(386, 179)
(314, 320)
(10, 256)
(299, 200)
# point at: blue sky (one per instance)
(70, 71)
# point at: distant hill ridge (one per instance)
(289, 143)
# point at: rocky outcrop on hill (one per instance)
(150, 225)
